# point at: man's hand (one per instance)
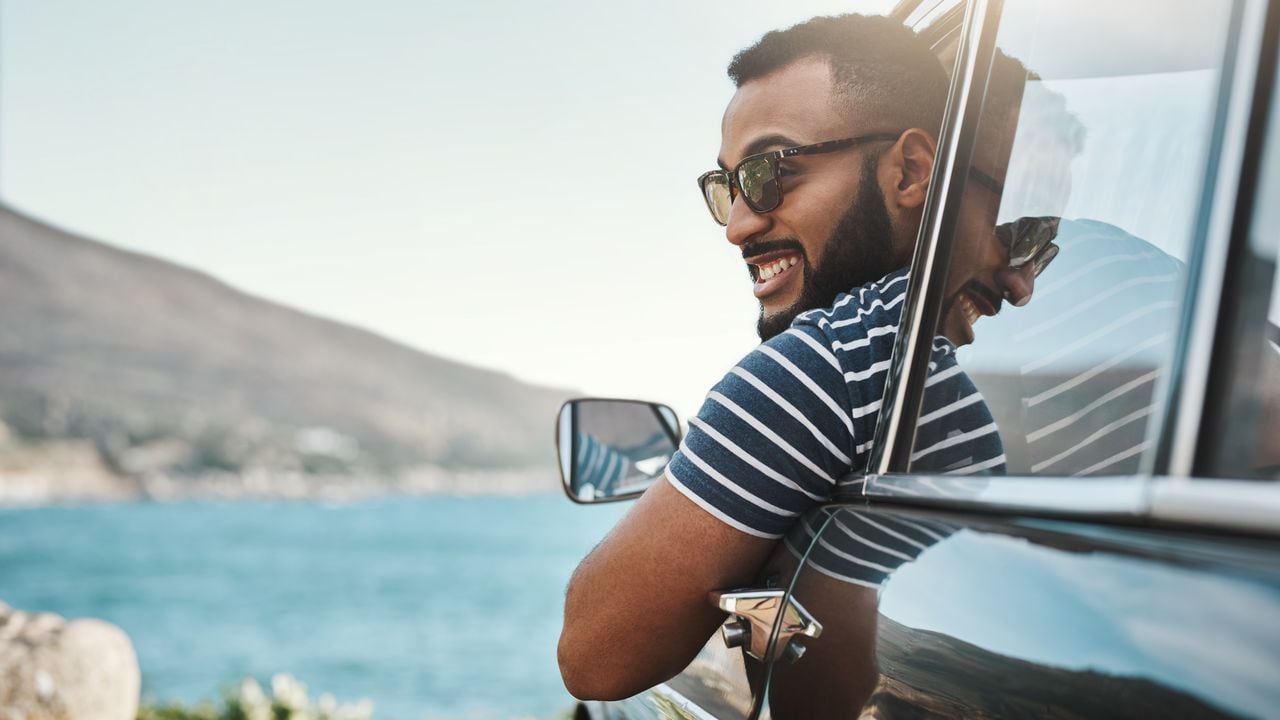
(637, 610)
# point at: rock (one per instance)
(51, 669)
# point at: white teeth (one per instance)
(770, 271)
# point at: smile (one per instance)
(772, 270)
(974, 301)
(777, 267)
(970, 310)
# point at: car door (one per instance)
(1123, 157)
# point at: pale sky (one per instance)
(508, 184)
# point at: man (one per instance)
(826, 155)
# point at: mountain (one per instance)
(167, 370)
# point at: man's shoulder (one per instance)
(871, 305)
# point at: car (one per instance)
(1126, 562)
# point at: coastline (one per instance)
(72, 472)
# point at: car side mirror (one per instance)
(613, 449)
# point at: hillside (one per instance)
(166, 370)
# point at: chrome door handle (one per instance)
(753, 614)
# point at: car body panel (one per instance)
(1018, 617)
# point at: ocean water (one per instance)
(435, 607)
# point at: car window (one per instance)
(1246, 443)
(1077, 219)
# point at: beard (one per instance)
(859, 251)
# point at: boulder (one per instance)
(54, 669)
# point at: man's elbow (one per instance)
(588, 676)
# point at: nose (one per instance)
(1017, 284)
(745, 223)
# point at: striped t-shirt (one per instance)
(864, 548)
(796, 416)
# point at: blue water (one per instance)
(435, 608)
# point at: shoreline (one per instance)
(32, 490)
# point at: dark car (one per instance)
(1126, 560)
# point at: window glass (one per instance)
(1249, 442)
(1080, 204)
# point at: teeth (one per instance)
(772, 270)
(971, 313)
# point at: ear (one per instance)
(910, 168)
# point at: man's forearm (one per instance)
(637, 609)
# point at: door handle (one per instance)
(753, 614)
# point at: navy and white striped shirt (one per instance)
(796, 416)
(860, 547)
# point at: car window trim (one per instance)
(904, 389)
(1120, 496)
(926, 15)
(1243, 506)
(1231, 506)
(1181, 421)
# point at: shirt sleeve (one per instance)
(772, 438)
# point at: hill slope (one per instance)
(165, 368)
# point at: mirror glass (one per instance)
(613, 449)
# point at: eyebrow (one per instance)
(761, 144)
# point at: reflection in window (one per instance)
(1248, 445)
(1067, 270)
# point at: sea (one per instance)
(444, 608)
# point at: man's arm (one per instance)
(769, 442)
(638, 609)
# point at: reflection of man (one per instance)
(598, 468)
(614, 444)
(830, 110)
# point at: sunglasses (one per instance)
(1027, 239)
(1030, 240)
(758, 178)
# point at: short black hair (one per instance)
(883, 72)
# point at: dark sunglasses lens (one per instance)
(1022, 251)
(715, 190)
(1030, 236)
(759, 184)
(1042, 260)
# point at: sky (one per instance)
(506, 184)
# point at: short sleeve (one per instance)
(772, 438)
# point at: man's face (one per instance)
(832, 231)
(980, 279)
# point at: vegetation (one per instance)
(288, 701)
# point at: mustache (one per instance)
(991, 296)
(760, 247)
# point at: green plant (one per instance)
(288, 701)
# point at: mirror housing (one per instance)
(612, 450)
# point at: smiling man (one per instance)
(826, 155)
(819, 123)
